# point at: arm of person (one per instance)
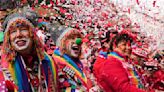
(117, 78)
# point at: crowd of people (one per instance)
(71, 50)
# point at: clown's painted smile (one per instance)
(20, 38)
(74, 49)
(22, 43)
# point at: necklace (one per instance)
(34, 76)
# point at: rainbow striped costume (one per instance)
(71, 76)
(18, 75)
(131, 71)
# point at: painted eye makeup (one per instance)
(13, 32)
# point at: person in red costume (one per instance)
(114, 74)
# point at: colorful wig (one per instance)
(72, 33)
(61, 34)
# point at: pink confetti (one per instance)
(77, 25)
(40, 20)
(129, 10)
(104, 14)
(69, 16)
(57, 2)
(62, 10)
(137, 2)
(154, 2)
(62, 1)
(85, 40)
(100, 33)
(73, 1)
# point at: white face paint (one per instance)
(74, 50)
(21, 43)
(20, 39)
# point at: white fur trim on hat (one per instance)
(62, 35)
(16, 18)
